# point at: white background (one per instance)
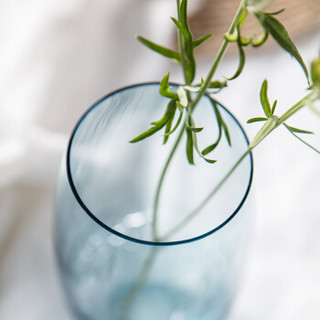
(56, 59)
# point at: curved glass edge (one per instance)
(124, 236)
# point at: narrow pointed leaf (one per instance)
(242, 60)
(188, 57)
(176, 125)
(194, 129)
(200, 40)
(296, 130)
(221, 124)
(181, 27)
(303, 141)
(165, 88)
(261, 39)
(189, 146)
(274, 106)
(158, 125)
(242, 18)
(217, 84)
(195, 143)
(167, 130)
(212, 146)
(147, 133)
(276, 12)
(257, 119)
(264, 99)
(188, 48)
(172, 110)
(226, 132)
(160, 49)
(280, 35)
(183, 17)
(180, 106)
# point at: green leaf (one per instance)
(303, 141)
(242, 18)
(171, 108)
(182, 96)
(280, 35)
(296, 130)
(188, 60)
(217, 84)
(192, 88)
(257, 119)
(315, 70)
(171, 111)
(275, 13)
(194, 129)
(231, 37)
(180, 27)
(202, 82)
(264, 99)
(226, 132)
(245, 41)
(176, 125)
(195, 143)
(183, 17)
(211, 147)
(189, 146)
(158, 125)
(146, 134)
(242, 60)
(221, 124)
(188, 57)
(271, 124)
(200, 40)
(165, 88)
(160, 49)
(261, 39)
(274, 106)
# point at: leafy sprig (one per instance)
(272, 121)
(185, 99)
(181, 100)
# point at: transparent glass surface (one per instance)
(110, 264)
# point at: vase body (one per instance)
(110, 263)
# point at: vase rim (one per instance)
(122, 235)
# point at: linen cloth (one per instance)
(56, 59)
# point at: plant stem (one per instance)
(260, 136)
(218, 58)
(204, 202)
(296, 107)
(181, 48)
(159, 186)
(138, 284)
(191, 106)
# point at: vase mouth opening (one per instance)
(82, 202)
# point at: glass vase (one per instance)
(112, 265)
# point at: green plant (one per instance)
(186, 98)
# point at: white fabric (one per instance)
(58, 57)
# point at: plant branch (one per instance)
(205, 201)
(159, 186)
(223, 48)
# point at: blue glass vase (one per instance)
(110, 263)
